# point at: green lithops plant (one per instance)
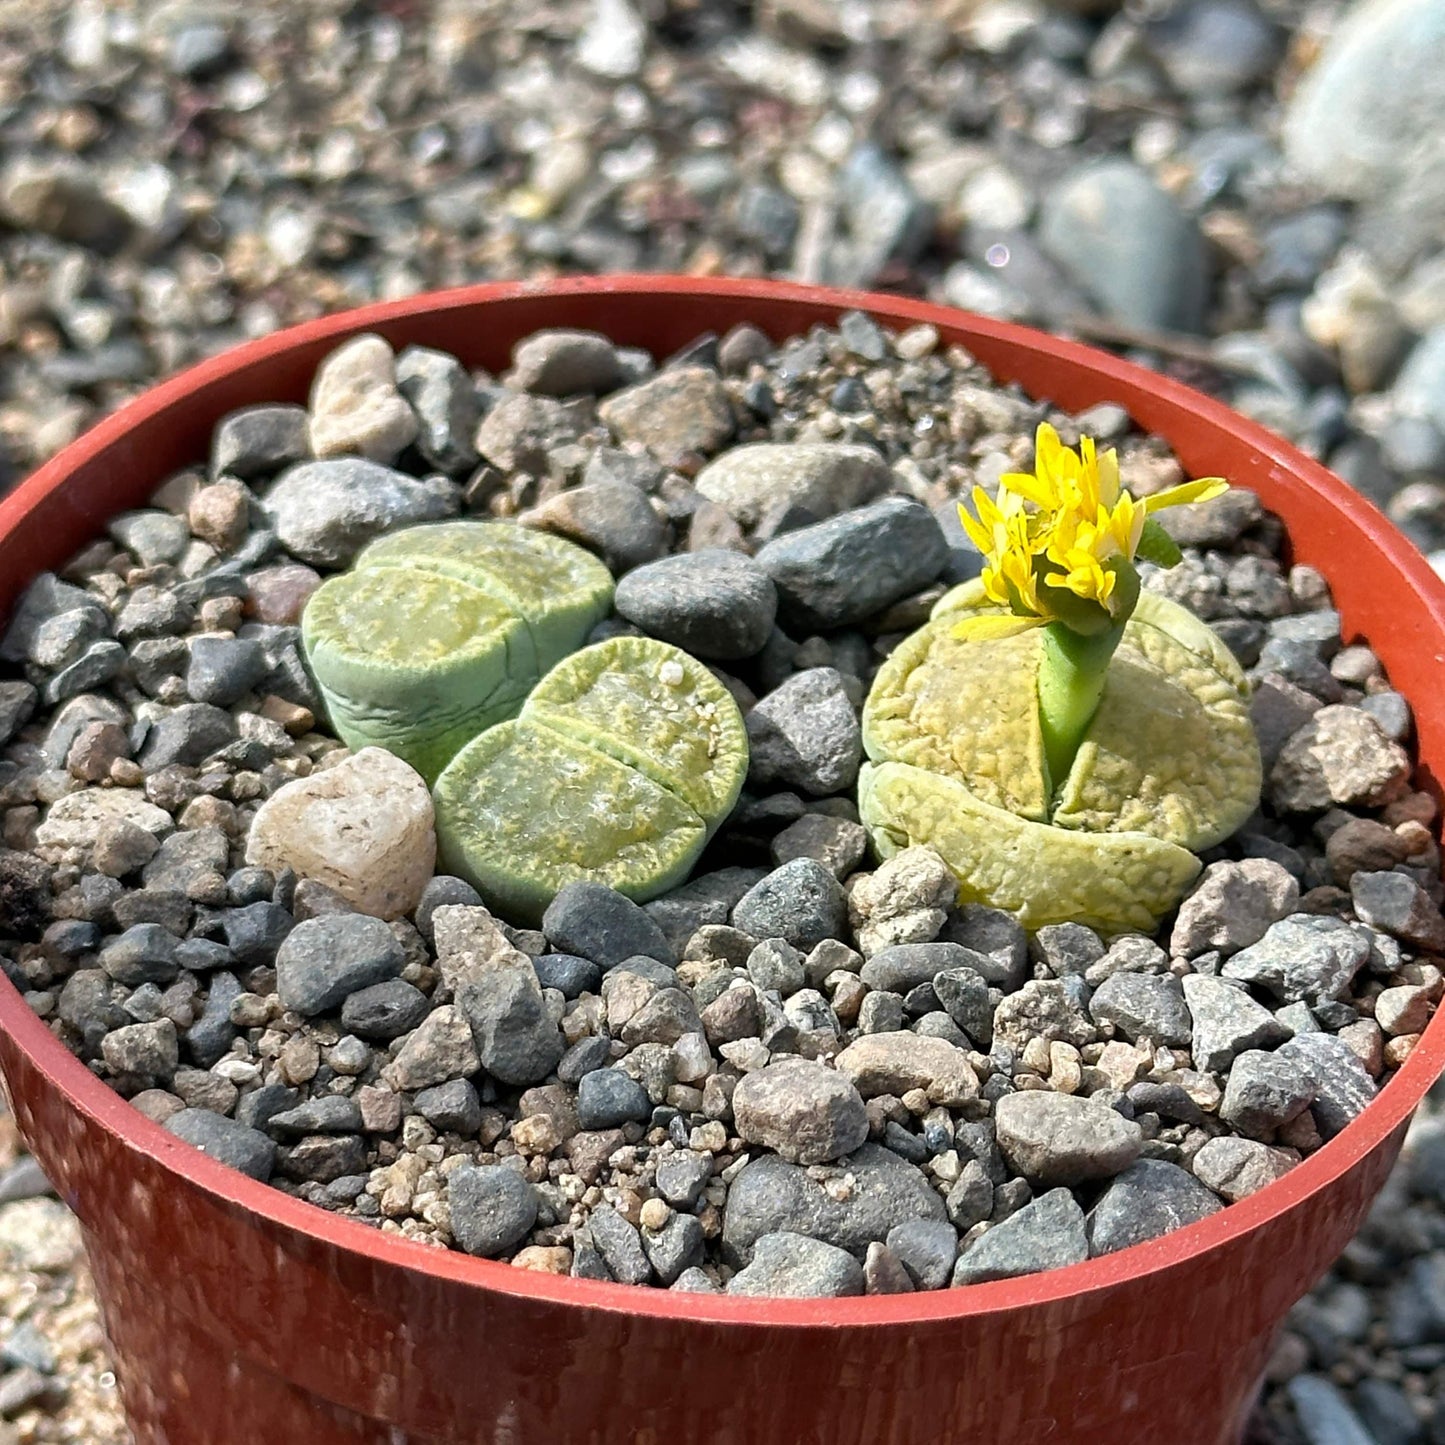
(1065, 741)
(620, 767)
(440, 632)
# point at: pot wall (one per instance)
(239, 1314)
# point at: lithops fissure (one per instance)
(621, 765)
(1169, 765)
(440, 632)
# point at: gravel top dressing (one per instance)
(755, 1059)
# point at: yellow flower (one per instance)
(1068, 527)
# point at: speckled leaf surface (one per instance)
(441, 631)
(1114, 882)
(523, 810)
(656, 709)
(623, 762)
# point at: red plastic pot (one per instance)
(238, 1314)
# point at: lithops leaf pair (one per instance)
(621, 765)
(440, 632)
(1169, 765)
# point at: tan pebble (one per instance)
(220, 514)
(536, 1135)
(1399, 1049)
(1065, 1068)
(1366, 1041)
(544, 1259)
(654, 1215)
(300, 1060)
(1403, 1010)
(290, 715)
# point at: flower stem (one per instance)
(1072, 669)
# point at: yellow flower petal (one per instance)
(980, 535)
(1109, 478)
(989, 627)
(1204, 490)
(1035, 489)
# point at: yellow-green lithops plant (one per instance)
(622, 764)
(1065, 741)
(439, 632)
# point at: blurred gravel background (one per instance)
(1249, 194)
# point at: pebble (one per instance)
(1057, 1139)
(620, 1245)
(844, 570)
(805, 734)
(678, 1246)
(187, 736)
(1236, 1168)
(1127, 242)
(384, 1011)
(493, 1208)
(1043, 1009)
(355, 407)
(926, 1248)
(223, 670)
(1047, 1233)
(894, 1063)
(565, 363)
(804, 1112)
(1231, 907)
(364, 828)
(597, 923)
(1214, 47)
(226, 1140)
(1397, 904)
(1303, 958)
(770, 1195)
(1339, 756)
(801, 902)
(681, 412)
(839, 844)
(1149, 1199)
(1227, 1022)
(440, 1048)
(146, 1050)
(607, 1098)
(1345, 1085)
(1323, 1414)
(517, 1040)
(325, 511)
(329, 1114)
(794, 1266)
(453, 1105)
(1265, 1091)
(519, 431)
(444, 403)
(715, 604)
(761, 484)
(258, 441)
(1143, 1005)
(612, 518)
(325, 960)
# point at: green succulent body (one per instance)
(620, 767)
(440, 632)
(1169, 765)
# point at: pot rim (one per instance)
(271, 1208)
